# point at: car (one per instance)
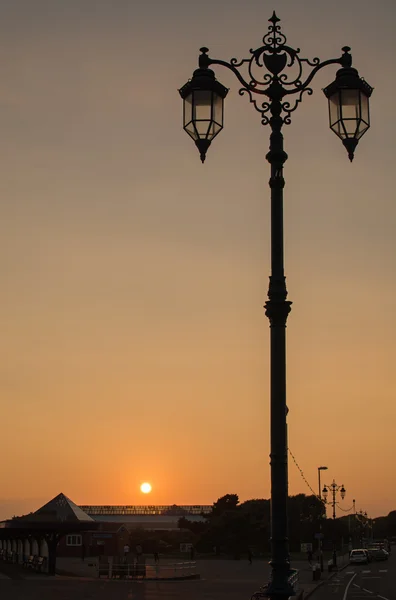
(359, 556)
(379, 554)
(372, 549)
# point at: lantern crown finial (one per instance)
(274, 18)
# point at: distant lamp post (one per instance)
(364, 520)
(349, 111)
(319, 470)
(334, 488)
(275, 79)
(320, 545)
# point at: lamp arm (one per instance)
(205, 62)
(332, 61)
(276, 84)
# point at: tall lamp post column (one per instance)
(276, 95)
(320, 487)
(320, 549)
(334, 488)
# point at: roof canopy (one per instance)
(59, 514)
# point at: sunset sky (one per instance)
(134, 346)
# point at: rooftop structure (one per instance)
(152, 510)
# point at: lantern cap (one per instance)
(350, 145)
(202, 145)
(348, 78)
(203, 80)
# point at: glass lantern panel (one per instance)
(202, 105)
(334, 108)
(350, 105)
(218, 104)
(203, 128)
(214, 129)
(187, 109)
(338, 129)
(361, 129)
(350, 126)
(191, 130)
(364, 103)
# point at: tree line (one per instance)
(234, 528)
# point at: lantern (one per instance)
(203, 100)
(349, 111)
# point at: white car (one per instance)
(359, 556)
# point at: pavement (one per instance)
(220, 580)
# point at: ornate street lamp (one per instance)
(349, 106)
(203, 102)
(334, 488)
(319, 470)
(320, 549)
(275, 95)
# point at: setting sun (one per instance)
(145, 488)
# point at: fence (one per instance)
(116, 568)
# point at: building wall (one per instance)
(95, 543)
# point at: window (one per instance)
(73, 540)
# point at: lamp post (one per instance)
(320, 487)
(334, 488)
(363, 519)
(350, 545)
(320, 549)
(276, 95)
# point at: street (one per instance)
(220, 580)
(357, 582)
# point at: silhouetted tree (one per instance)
(225, 504)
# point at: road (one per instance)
(375, 581)
(221, 580)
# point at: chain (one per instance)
(345, 509)
(302, 475)
(304, 478)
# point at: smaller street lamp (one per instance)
(334, 488)
(320, 522)
(349, 111)
(319, 470)
(203, 103)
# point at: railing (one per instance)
(293, 580)
(114, 569)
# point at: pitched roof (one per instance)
(61, 508)
(111, 527)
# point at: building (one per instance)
(149, 517)
(38, 534)
(108, 539)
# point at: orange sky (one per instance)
(134, 345)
